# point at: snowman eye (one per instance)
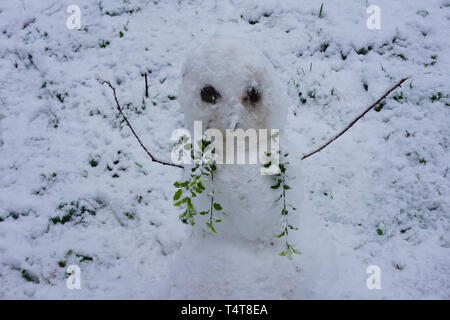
(253, 94)
(209, 94)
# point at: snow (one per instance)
(381, 191)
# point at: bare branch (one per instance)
(119, 108)
(359, 117)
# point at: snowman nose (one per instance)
(233, 124)
(236, 115)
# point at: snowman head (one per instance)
(228, 83)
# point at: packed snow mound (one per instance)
(212, 267)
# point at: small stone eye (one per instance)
(253, 94)
(209, 94)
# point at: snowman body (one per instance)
(228, 84)
(249, 208)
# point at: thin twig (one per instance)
(146, 85)
(359, 117)
(132, 130)
(284, 202)
(212, 199)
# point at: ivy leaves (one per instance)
(195, 185)
(177, 195)
(288, 251)
(203, 172)
(189, 189)
(277, 185)
(284, 233)
(280, 183)
(211, 226)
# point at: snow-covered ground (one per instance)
(76, 188)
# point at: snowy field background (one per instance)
(75, 187)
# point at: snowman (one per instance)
(229, 84)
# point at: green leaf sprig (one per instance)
(280, 180)
(195, 185)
